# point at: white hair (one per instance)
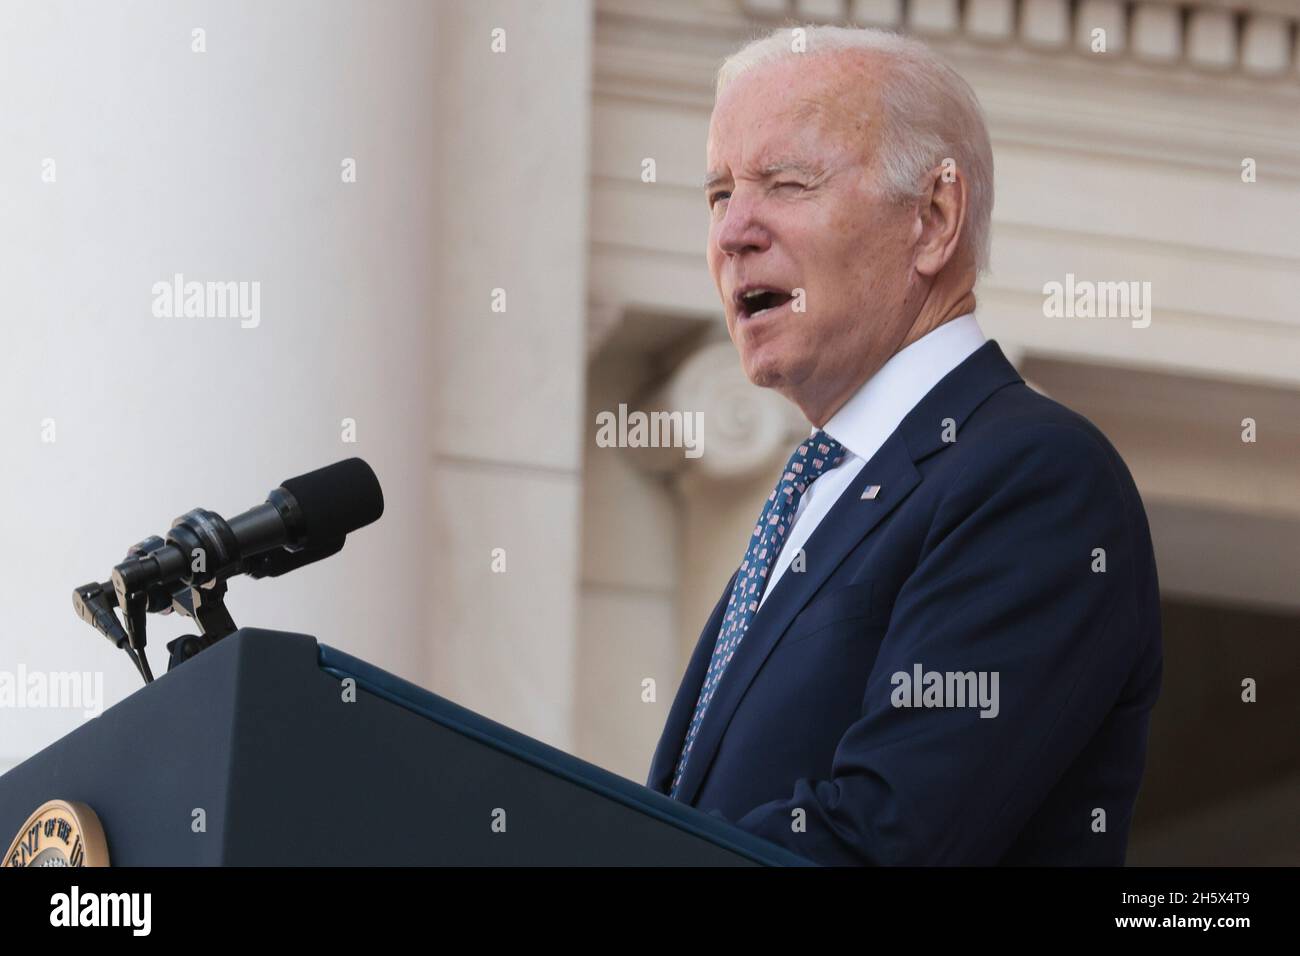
(929, 114)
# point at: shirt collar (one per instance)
(875, 410)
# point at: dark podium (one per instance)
(256, 733)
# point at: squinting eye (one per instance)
(716, 197)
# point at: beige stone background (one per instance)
(521, 171)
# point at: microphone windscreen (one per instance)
(336, 499)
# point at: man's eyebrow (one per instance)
(787, 166)
(711, 179)
(766, 172)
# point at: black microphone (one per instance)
(304, 520)
(312, 512)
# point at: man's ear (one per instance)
(942, 210)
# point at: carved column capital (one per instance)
(745, 427)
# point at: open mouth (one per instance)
(754, 302)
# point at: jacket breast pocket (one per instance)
(849, 602)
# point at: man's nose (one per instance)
(742, 228)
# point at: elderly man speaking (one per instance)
(942, 643)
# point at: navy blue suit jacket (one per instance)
(982, 554)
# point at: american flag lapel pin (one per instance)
(869, 493)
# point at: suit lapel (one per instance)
(688, 691)
(847, 523)
(851, 519)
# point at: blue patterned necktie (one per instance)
(810, 460)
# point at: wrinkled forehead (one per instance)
(829, 101)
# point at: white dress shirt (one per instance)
(870, 416)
